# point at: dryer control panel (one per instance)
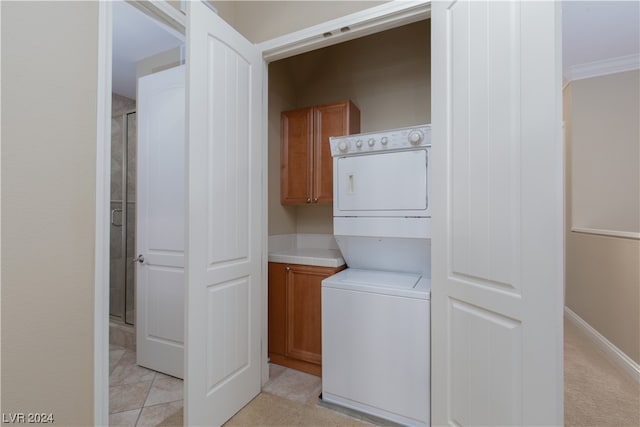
(389, 140)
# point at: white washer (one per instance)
(375, 314)
(375, 344)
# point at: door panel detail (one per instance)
(492, 399)
(228, 324)
(229, 171)
(163, 154)
(485, 202)
(165, 305)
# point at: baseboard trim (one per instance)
(614, 354)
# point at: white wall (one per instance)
(49, 81)
(282, 219)
(606, 177)
(603, 272)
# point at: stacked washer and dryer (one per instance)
(375, 314)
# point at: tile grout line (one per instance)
(116, 364)
(155, 375)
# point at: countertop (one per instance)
(305, 249)
(308, 256)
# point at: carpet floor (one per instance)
(596, 392)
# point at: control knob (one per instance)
(343, 146)
(359, 143)
(415, 137)
(384, 140)
(371, 142)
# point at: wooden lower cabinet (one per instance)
(295, 316)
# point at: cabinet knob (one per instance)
(308, 199)
(287, 268)
(315, 200)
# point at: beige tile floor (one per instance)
(293, 385)
(138, 396)
(142, 397)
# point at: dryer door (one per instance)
(382, 184)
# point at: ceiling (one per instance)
(595, 31)
(591, 31)
(135, 36)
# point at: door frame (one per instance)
(169, 17)
(369, 21)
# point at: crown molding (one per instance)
(602, 68)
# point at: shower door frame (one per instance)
(124, 214)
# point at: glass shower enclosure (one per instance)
(123, 214)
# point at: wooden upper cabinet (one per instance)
(296, 156)
(306, 162)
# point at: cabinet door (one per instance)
(277, 307)
(296, 156)
(304, 333)
(337, 119)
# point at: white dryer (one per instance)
(375, 314)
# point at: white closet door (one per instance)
(497, 214)
(224, 227)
